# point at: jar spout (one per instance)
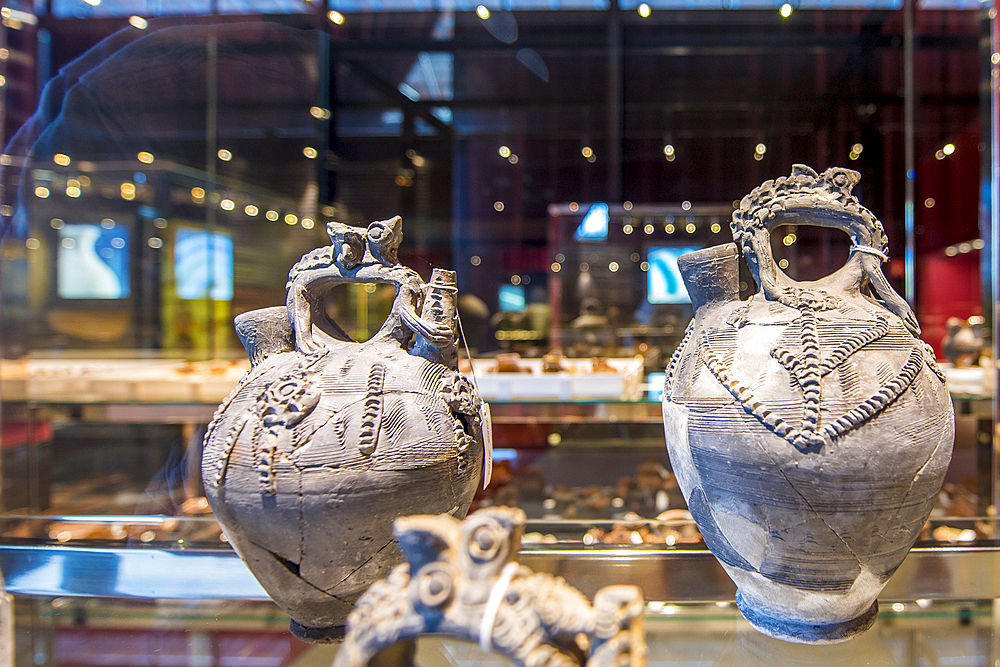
(265, 331)
(440, 309)
(712, 275)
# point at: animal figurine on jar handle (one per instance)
(356, 256)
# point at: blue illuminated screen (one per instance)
(511, 298)
(92, 261)
(203, 264)
(663, 279)
(594, 226)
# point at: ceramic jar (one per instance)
(325, 441)
(809, 427)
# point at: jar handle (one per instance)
(823, 200)
(355, 255)
(359, 255)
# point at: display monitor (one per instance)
(203, 264)
(663, 279)
(511, 298)
(92, 261)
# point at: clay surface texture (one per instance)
(325, 441)
(461, 580)
(809, 427)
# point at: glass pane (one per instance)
(164, 171)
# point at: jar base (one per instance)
(331, 634)
(807, 633)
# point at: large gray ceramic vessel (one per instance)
(325, 441)
(809, 426)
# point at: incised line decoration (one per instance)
(808, 367)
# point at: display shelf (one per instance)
(561, 456)
(688, 574)
(534, 411)
(642, 411)
(121, 390)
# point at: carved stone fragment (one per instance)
(809, 427)
(325, 441)
(461, 580)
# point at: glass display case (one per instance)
(167, 163)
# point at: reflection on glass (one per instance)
(430, 77)
(752, 649)
(483, 10)
(770, 4)
(101, 8)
